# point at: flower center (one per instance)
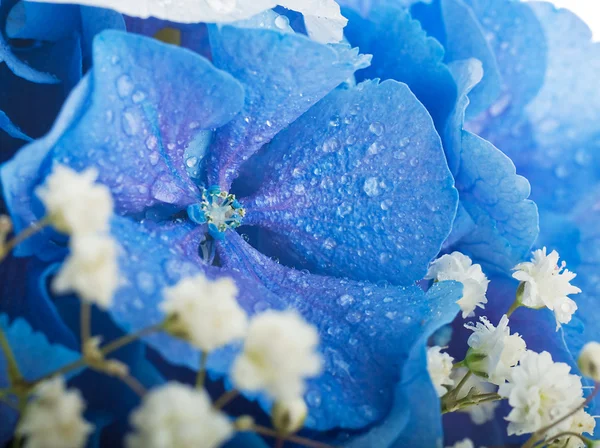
(219, 209)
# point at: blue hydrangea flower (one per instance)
(348, 186)
(44, 49)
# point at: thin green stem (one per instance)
(129, 338)
(14, 374)
(63, 370)
(225, 399)
(585, 440)
(202, 370)
(25, 234)
(134, 385)
(515, 305)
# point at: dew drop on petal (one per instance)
(376, 128)
(371, 187)
(124, 86)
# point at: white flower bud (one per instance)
(289, 416)
(589, 360)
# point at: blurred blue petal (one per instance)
(358, 187)
(402, 51)
(367, 331)
(42, 21)
(283, 75)
(35, 357)
(415, 419)
(11, 129)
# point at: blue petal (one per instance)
(284, 75)
(495, 197)
(93, 22)
(357, 187)
(465, 39)
(402, 51)
(367, 332)
(12, 130)
(42, 21)
(35, 357)
(415, 419)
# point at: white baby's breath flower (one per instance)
(74, 203)
(482, 412)
(53, 419)
(540, 392)
(465, 443)
(177, 415)
(460, 268)
(323, 19)
(546, 284)
(493, 350)
(582, 423)
(91, 270)
(439, 366)
(589, 360)
(288, 416)
(204, 312)
(279, 354)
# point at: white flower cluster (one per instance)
(53, 419)
(177, 415)
(439, 366)
(323, 19)
(205, 313)
(546, 284)
(540, 393)
(493, 350)
(78, 206)
(279, 354)
(460, 268)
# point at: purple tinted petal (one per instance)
(367, 331)
(283, 75)
(358, 187)
(142, 119)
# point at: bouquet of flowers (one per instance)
(254, 223)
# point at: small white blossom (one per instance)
(465, 443)
(289, 416)
(541, 391)
(482, 412)
(439, 366)
(546, 284)
(589, 360)
(74, 203)
(323, 19)
(493, 350)
(460, 268)
(582, 423)
(91, 270)
(205, 312)
(279, 353)
(53, 419)
(177, 415)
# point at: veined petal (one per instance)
(402, 51)
(35, 357)
(357, 187)
(367, 331)
(283, 75)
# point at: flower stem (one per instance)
(262, 430)
(202, 370)
(515, 305)
(25, 234)
(224, 399)
(129, 338)
(85, 324)
(14, 374)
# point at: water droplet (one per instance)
(384, 257)
(115, 60)
(191, 162)
(124, 86)
(374, 149)
(376, 128)
(404, 142)
(138, 97)
(330, 145)
(313, 398)
(353, 317)
(145, 282)
(153, 157)
(282, 22)
(299, 189)
(399, 155)
(131, 121)
(345, 300)
(386, 204)
(371, 187)
(351, 139)
(151, 142)
(414, 161)
(344, 209)
(109, 116)
(329, 244)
